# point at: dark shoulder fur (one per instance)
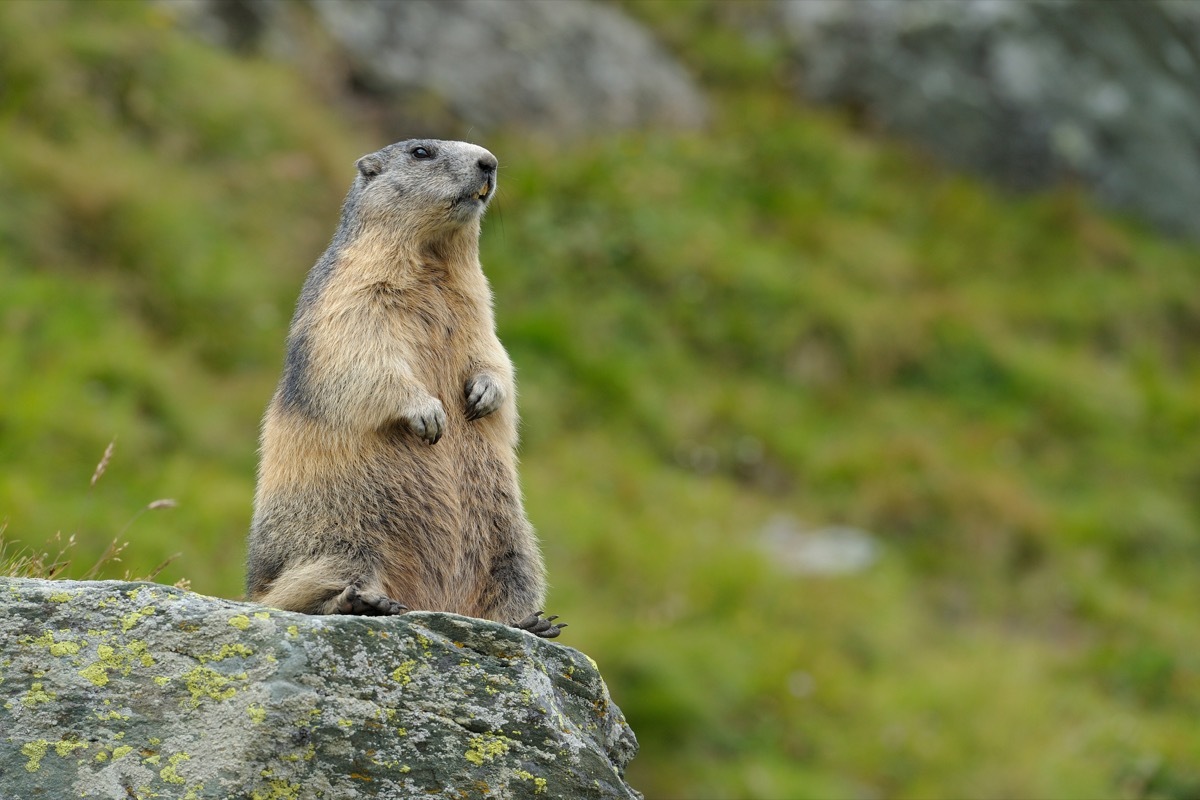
(293, 391)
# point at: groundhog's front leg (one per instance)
(484, 395)
(426, 418)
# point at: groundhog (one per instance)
(387, 479)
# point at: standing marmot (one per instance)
(388, 475)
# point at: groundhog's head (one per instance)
(424, 185)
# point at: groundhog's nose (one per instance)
(487, 163)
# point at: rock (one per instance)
(1028, 92)
(563, 68)
(118, 689)
(834, 550)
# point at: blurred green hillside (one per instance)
(780, 317)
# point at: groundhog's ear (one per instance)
(369, 166)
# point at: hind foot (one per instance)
(353, 601)
(541, 626)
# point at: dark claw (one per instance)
(539, 626)
(352, 601)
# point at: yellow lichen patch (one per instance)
(403, 673)
(258, 714)
(110, 658)
(132, 594)
(169, 773)
(60, 597)
(538, 783)
(121, 752)
(96, 673)
(64, 648)
(162, 680)
(56, 648)
(35, 695)
(241, 622)
(346, 723)
(35, 751)
(292, 630)
(102, 756)
(225, 652)
(207, 682)
(134, 617)
(139, 650)
(105, 716)
(64, 747)
(261, 615)
(277, 789)
(485, 748)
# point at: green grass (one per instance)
(776, 316)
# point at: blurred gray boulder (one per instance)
(1027, 92)
(120, 689)
(560, 67)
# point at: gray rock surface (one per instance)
(560, 67)
(1029, 92)
(114, 689)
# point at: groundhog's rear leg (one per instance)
(351, 600)
(541, 626)
(514, 584)
(320, 587)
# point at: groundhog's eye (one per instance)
(421, 152)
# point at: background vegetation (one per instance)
(781, 316)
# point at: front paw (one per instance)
(484, 395)
(427, 421)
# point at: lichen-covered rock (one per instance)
(114, 689)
